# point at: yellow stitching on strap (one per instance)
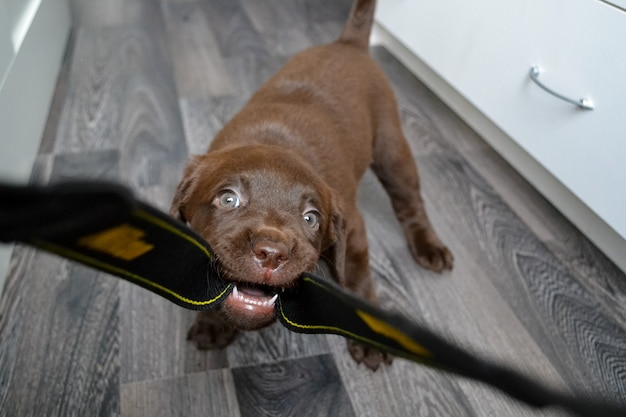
(385, 329)
(336, 330)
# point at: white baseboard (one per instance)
(5, 258)
(600, 233)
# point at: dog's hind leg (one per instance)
(396, 169)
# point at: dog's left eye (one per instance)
(228, 199)
(311, 218)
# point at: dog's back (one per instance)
(326, 97)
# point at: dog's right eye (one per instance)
(311, 218)
(227, 199)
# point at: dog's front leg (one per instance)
(358, 280)
(211, 331)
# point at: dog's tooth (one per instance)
(273, 299)
(235, 292)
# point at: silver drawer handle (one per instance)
(583, 103)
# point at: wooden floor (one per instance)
(147, 82)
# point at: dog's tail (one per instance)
(359, 24)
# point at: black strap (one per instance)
(103, 226)
(346, 315)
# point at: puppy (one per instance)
(277, 189)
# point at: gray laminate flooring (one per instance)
(147, 82)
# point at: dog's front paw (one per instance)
(369, 356)
(211, 331)
(430, 253)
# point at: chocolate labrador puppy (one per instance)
(277, 189)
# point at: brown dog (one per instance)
(277, 189)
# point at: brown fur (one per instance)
(300, 146)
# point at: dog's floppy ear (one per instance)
(335, 243)
(184, 189)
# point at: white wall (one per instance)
(33, 35)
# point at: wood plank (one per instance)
(324, 20)
(281, 25)
(203, 118)
(153, 339)
(89, 119)
(232, 28)
(249, 72)
(290, 27)
(60, 339)
(92, 165)
(326, 11)
(305, 387)
(98, 14)
(121, 96)
(580, 337)
(402, 389)
(272, 344)
(116, 13)
(194, 395)
(199, 67)
(568, 244)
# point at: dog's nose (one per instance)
(271, 254)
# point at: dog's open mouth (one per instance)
(254, 297)
(250, 306)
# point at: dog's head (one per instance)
(268, 217)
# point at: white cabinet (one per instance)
(484, 50)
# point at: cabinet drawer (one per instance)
(485, 49)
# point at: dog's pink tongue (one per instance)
(255, 292)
